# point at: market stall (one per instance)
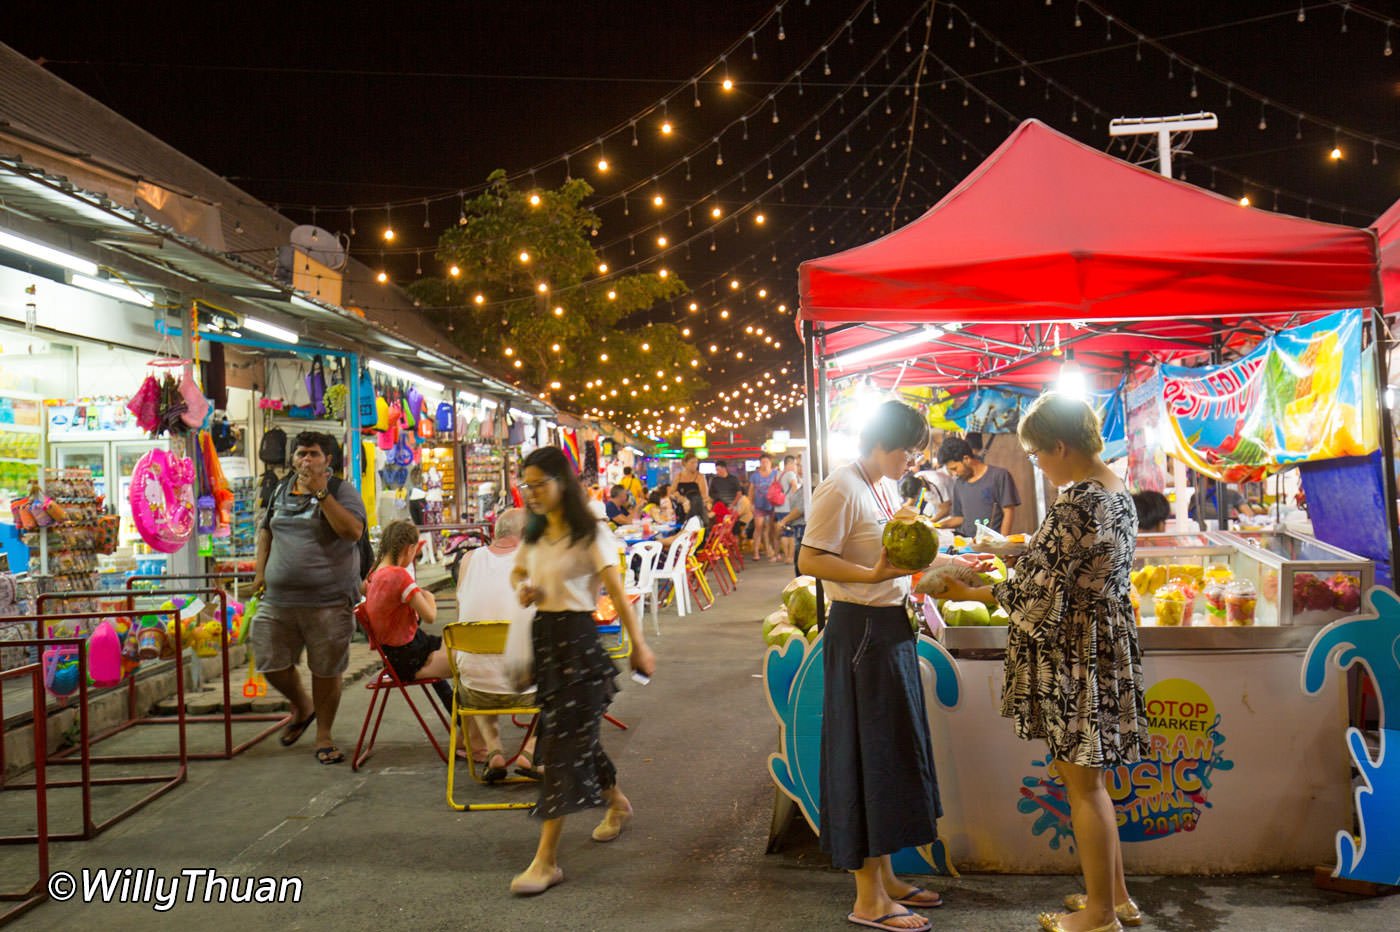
(1053, 257)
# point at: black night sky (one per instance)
(363, 104)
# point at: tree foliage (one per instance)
(511, 241)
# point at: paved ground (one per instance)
(379, 848)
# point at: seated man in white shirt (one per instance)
(484, 593)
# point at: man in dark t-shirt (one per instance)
(723, 486)
(981, 493)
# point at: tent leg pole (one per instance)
(1381, 341)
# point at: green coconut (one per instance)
(911, 543)
(780, 617)
(999, 616)
(781, 634)
(800, 600)
(965, 614)
(997, 573)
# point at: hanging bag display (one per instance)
(445, 419)
(273, 448)
(316, 386)
(366, 401)
(196, 405)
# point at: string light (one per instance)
(382, 278)
(534, 200)
(716, 212)
(389, 234)
(454, 271)
(542, 288)
(663, 272)
(666, 127)
(524, 256)
(479, 298)
(612, 295)
(1244, 201)
(658, 200)
(759, 219)
(661, 240)
(558, 312)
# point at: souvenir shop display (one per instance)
(484, 468)
(69, 513)
(162, 499)
(235, 552)
(21, 444)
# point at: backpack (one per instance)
(776, 498)
(221, 431)
(273, 448)
(369, 413)
(363, 546)
(445, 414)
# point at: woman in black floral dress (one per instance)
(1073, 667)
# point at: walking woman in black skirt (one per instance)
(567, 553)
(879, 793)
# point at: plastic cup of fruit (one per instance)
(1173, 609)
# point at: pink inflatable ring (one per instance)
(162, 499)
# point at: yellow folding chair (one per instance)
(479, 637)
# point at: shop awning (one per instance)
(1387, 227)
(1048, 229)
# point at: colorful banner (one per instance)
(1303, 394)
(1165, 793)
(991, 410)
(1143, 404)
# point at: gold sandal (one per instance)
(1050, 922)
(1128, 913)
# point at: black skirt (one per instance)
(879, 793)
(576, 680)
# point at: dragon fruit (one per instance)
(1311, 594)
(1346, 593)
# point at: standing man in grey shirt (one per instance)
(981, 493)
(308, 576)
(723, 487)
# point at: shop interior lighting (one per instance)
(112, 289)
(883, 347)
(46, 254)
(397, 373)
(270, 330)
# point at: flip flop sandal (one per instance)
(883, 922)
(295, 730)
(909, 898)
(528, 768)
(495, 774)
(330, 754)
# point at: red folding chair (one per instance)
(381, 685)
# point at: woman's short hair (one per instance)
(1153, 510)
(895, 426)
(1054, 418)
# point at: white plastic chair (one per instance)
(649, 552)
(673, 571)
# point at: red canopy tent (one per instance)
(1051, 243)
(1387, 227)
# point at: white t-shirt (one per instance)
(848, 521)
(940, 483)
(568, 573)
(484, 593)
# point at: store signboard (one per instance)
(1306, 393)
(694, 439)
(702, 452)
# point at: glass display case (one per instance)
(1245, 579)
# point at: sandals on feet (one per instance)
(919, 898)
(330, 754)
(495, 774)
(295, 730)
(884, 922)
(525, 766)
(521, 887)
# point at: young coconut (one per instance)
(911, 540)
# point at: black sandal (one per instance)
(527, 769)
(495, 774)
(295, 730)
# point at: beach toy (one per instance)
(162, 502)
(61, 670)
(104, 655)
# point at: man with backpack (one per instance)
(307, 573)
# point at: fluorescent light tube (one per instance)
(404, 374)
(46, 254)
(888, 345)
(112, 289)
(270, 330)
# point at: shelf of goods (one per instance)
(71, 543)
(21, 444)
(482, 465)
(235, 553)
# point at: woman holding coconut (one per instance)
(879, 793)
(1073, 667)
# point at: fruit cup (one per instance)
(1240, 599)
(1174, 604)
